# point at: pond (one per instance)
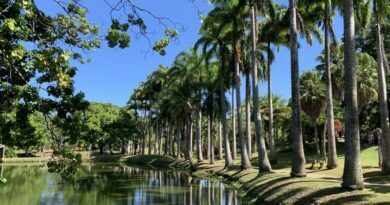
(117, 185)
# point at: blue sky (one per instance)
(114, 73)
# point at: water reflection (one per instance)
(116, 185)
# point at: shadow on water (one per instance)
(101, 185)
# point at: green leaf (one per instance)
(3, 180)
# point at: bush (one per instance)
(10, 152)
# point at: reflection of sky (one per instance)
(112, 185)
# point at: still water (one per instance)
(103, 185)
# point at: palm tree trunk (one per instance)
(323, 144)
(211, 145)
(156, 136)
(248, 115)
(332, 150)
(383, 106)
(228, 156)
(178, 141)
(170, 137)
(199, 134)
(208, 136)
(220, 140)
(316, 138)
(188, 151)
(352, 176)
(264, 165)
(234, 135)
(271, 109)
(245, 163)
(150, 134)
(298, 159)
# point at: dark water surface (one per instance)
(103, 185)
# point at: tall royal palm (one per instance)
(272, 31)
(332, 151)
(214, 46)
(264, 165)
(298, 159)
(380, 8)
(352, 175)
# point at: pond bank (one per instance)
(271, 188)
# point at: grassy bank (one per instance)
(321, 186)
(87, 156)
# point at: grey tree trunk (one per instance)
(220, 140)
(199, 134)
(208, 136)
(178, 139)
(150, 134)
(352, 175)
(316, 138)
(245, 163)
(234, 134)
(211, 144)
(170, 137)
(248, 115)
(298, 158)
(273, 158)
(380, 155)
(332, 149)
(188, 151)
(383, 106)
(228, 156)
(323, 144)
(264, 165)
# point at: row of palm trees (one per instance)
(233, 43)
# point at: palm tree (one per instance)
(264, 165)
(272, 31)
(332, 150)
(352, 175)
(188, 67)
(313, 101)
(298, 159)
(213, 45)
(380, 7)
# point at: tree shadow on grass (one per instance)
(376, 177)
(351, 199)
(312, 197)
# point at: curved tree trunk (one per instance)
(383, 106)
(245, 163)
(352, 175)
(270, 110)
(298, 159)
(228, 156)
(332, 150)
(248, 115)
(264, 165)
(234, 134)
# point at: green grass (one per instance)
(319, 187)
